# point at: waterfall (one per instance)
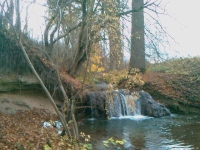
(114, 105)
(138, 106)
(124, 105)
(91, 97)
(91, 109)
(121, 104)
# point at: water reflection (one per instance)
(175, 132)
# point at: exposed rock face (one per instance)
(97, 103)
(151, 108)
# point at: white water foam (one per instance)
(91, 119)
(136, 117)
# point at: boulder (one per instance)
(151, 108)
(96, 100)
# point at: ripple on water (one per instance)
(167, 133)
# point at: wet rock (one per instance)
(151, 108)
(96, 100)
(129, 146)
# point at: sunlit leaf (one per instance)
(46, 147)
(110, 139)
(120, 142)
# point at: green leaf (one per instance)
(120, 142)
(106, 145)
(88, 146)
(85, 145)
(105, 142)
(111, 139)
(46, 147)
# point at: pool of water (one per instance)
(174, 132)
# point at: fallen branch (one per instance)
(64, 124)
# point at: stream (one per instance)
(175, 132)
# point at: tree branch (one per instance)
(69, 30)
(46, 32)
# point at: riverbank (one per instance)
(176, 84)
(24, 130)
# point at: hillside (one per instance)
(175, 82)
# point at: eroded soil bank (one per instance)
(22, 93)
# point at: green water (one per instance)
(175, 132)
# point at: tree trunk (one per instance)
(18, 22)
(48, 46)
(45, 89)
(1, 17)
(11, 11)
(81, 54)
(137, 58)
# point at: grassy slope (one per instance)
(175, 81)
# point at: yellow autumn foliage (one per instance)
(115, 77)
(95, 61)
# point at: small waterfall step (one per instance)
(123, 103)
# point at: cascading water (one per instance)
(91, 109)
(124, 105)
(120, 104)
(91, 105)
